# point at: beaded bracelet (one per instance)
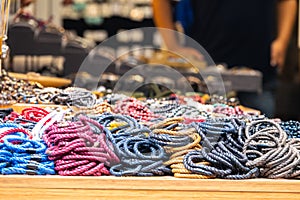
(74, 96)
(292, 128)
(186, 111)
(135, 109)
(227, 110)
(47, 95)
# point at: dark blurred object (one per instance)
(27, 38)
(287, 100)
(21, 41)
(288, 93)
(230, 101)
(49, 41)
(5, 112)
(74, 54)
(67, 2)
(244, 79)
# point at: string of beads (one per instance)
(292, 128)
(135, 109)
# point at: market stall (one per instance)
(60, 140)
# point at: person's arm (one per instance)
(163, 19)
(162, 11)
(287, 10)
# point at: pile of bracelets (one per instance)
(268, 149)
(139, 156)
(222, 144)
(189, 113)
(21, 154)
(47, 95)
(79, 148)
(162, 106)
(76, 133)
(95, 110)
(227, 110)
(19, 91)
(135, 109)
(177, 141)
(28, 117)
(13, 90)
(74, 96)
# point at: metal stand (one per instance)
(4, 55)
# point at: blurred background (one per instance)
(53, 37)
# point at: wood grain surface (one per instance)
(46, 81)
(56, 187)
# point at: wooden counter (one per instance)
(143, 188)
(18, 107)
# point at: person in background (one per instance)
(67, 2)
(252, 33)
(25, 3)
